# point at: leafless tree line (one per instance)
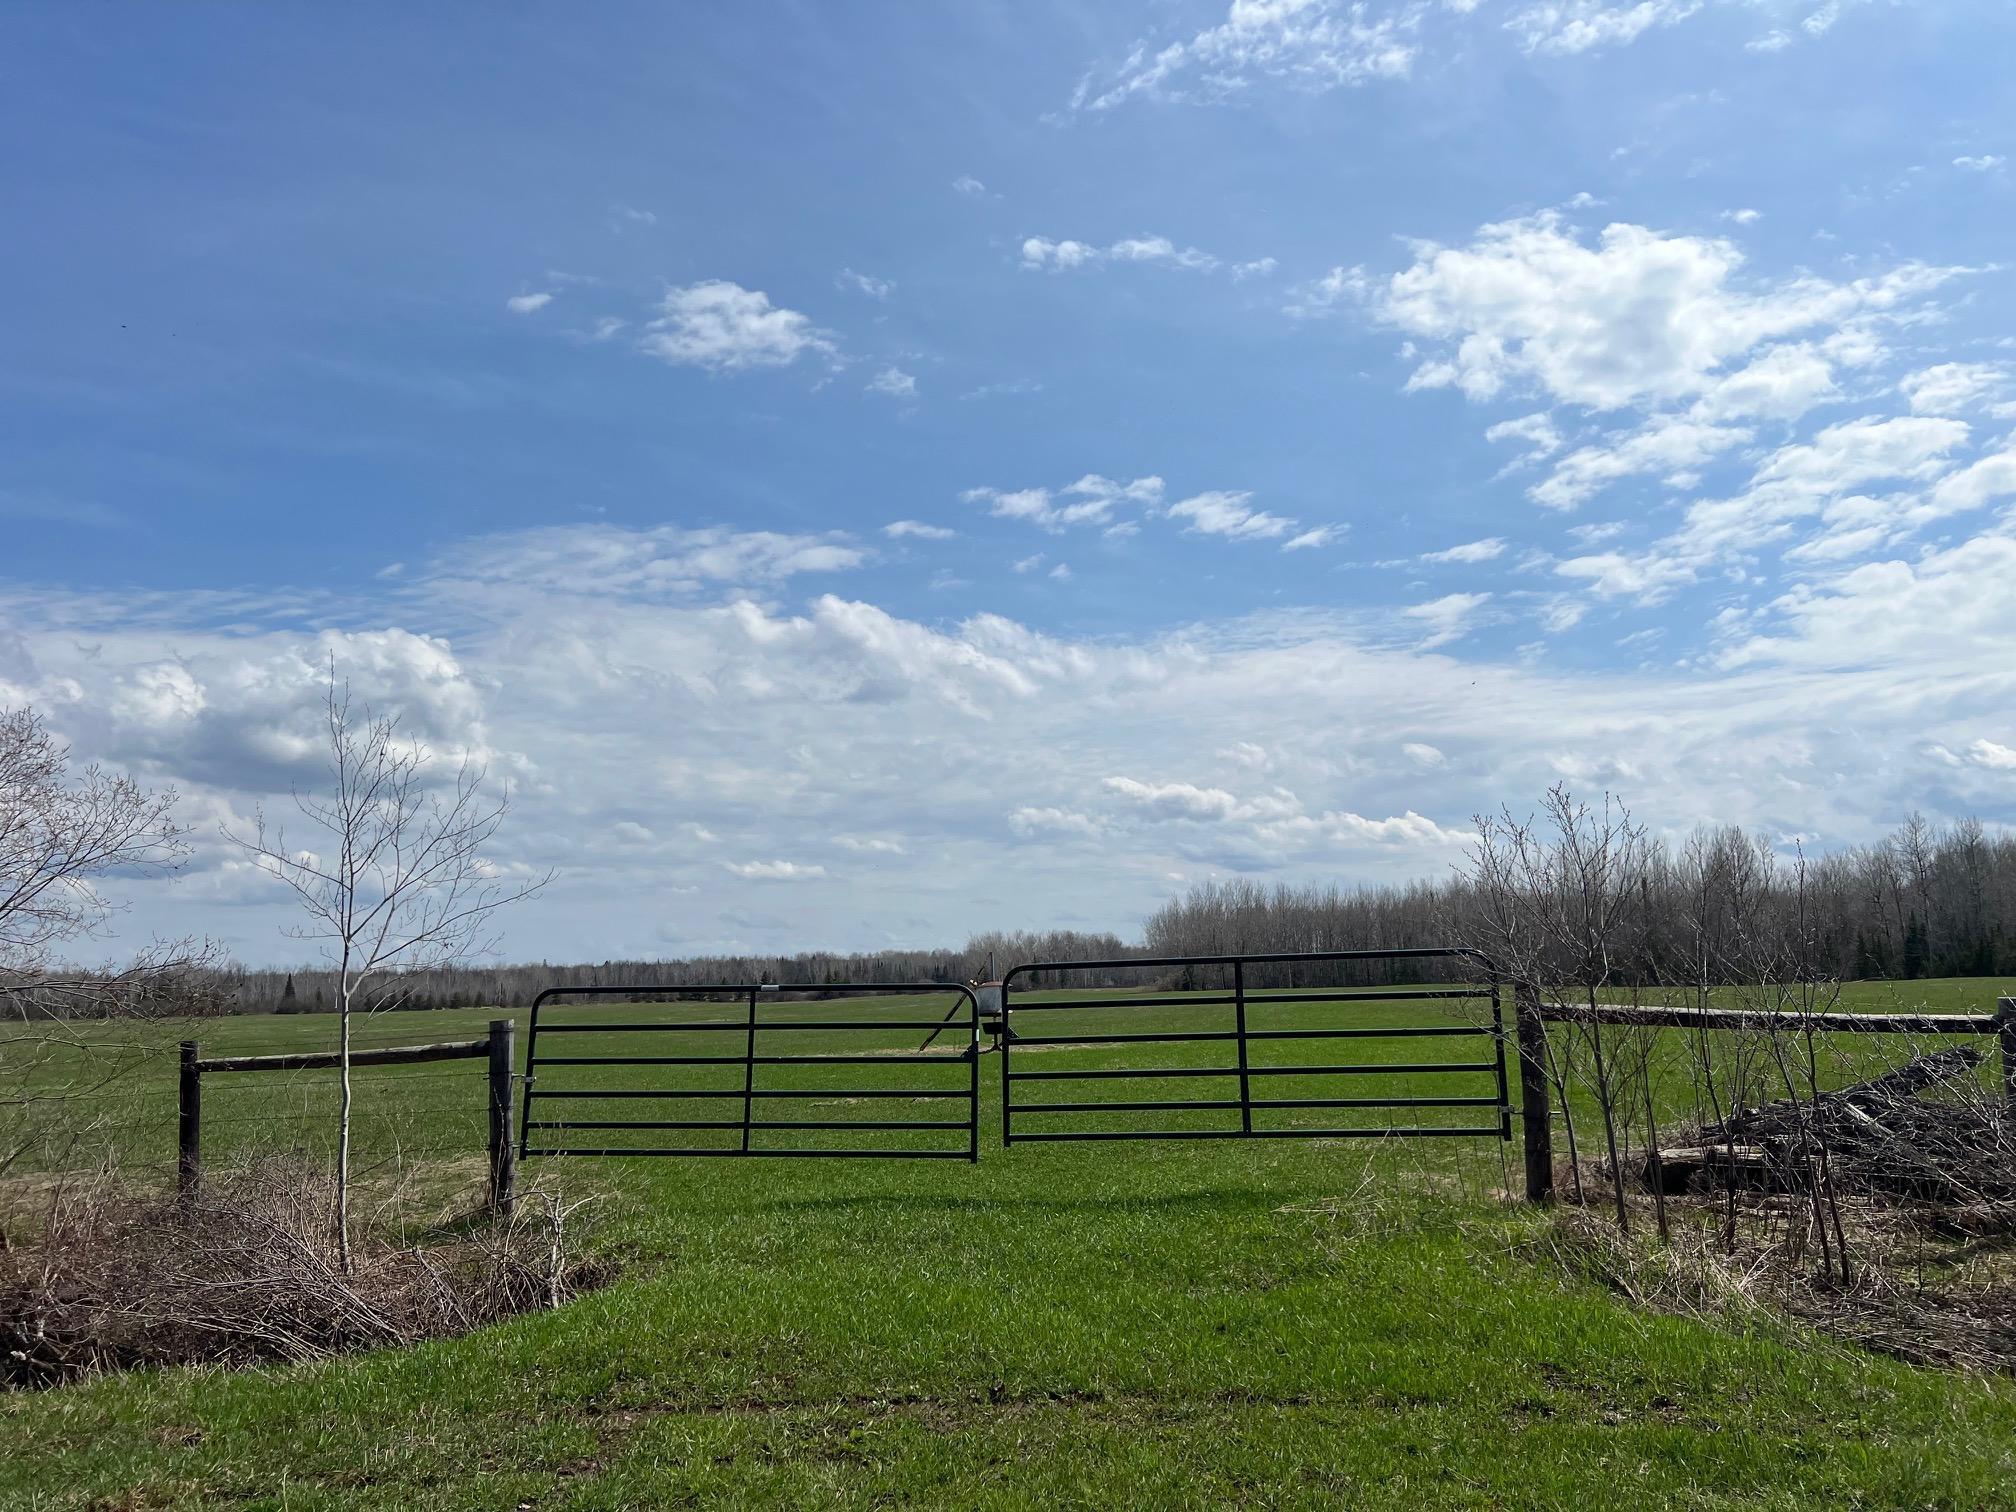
(1924, 902)
(314, 990)
(1814, 1162)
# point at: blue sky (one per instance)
(866, 473)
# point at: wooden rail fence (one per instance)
(1532, 1018)
(497, 1047)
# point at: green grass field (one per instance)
(1268, 1323)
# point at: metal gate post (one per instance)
(1535, 1115)
(1498, 1039)
(189, 1130)
(973, 1089)
(503, 1153)
(1007, 1039)
(749, 1073)
(1239, 1018)
(2005, 1039)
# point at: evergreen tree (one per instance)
(1914, 948)
(1868, 967)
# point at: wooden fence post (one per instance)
(1535, 1114)
(503, 1154)
(2005, 1036)
(189, 1152)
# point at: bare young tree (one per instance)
(58, 835)
(62, 832)
(1560, 908)
(398, 880)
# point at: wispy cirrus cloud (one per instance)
(1446, 619)
(1230, 514)
(864, 283)
(1313, 45)
(775, 871)
(615, 559)
(1470, 552)
(1092, 500)
(1099, 501)
(1577, 26)
(1062, 256)
(893, 383)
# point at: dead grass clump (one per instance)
(249, 1272)
(1917, 1294)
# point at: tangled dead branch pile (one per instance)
(249, 1273)
(1954, 1157)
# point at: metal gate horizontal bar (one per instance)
(1409, 1068)
(1373, 1102)
(736, 1123)
(1165, 1073)
(1062, 1136)
(833, 1093)
(776, 1154)
(1355, 995)
(894, 1058)
(634, 1123)
(1410, 1031)
(1273, 995)
(1258, 1103)
(740, 1026)
(1126, 1107)
(1124, 1074)
(1273, 957)
(1176, 1000)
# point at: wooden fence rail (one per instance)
(1532, 1017)
(497, 1048)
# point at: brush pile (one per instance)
(1882, 1138)
(249, 1273)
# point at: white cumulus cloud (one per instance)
(722, 326)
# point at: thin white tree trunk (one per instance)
(343, 1135)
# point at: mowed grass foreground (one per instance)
(1269, 1323)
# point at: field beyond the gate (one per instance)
(1114, 1324)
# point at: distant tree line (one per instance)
(1923, 902)
(310, 990)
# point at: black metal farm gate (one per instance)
(1264, 1016)
(744, 1050)
(1260, 1018)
